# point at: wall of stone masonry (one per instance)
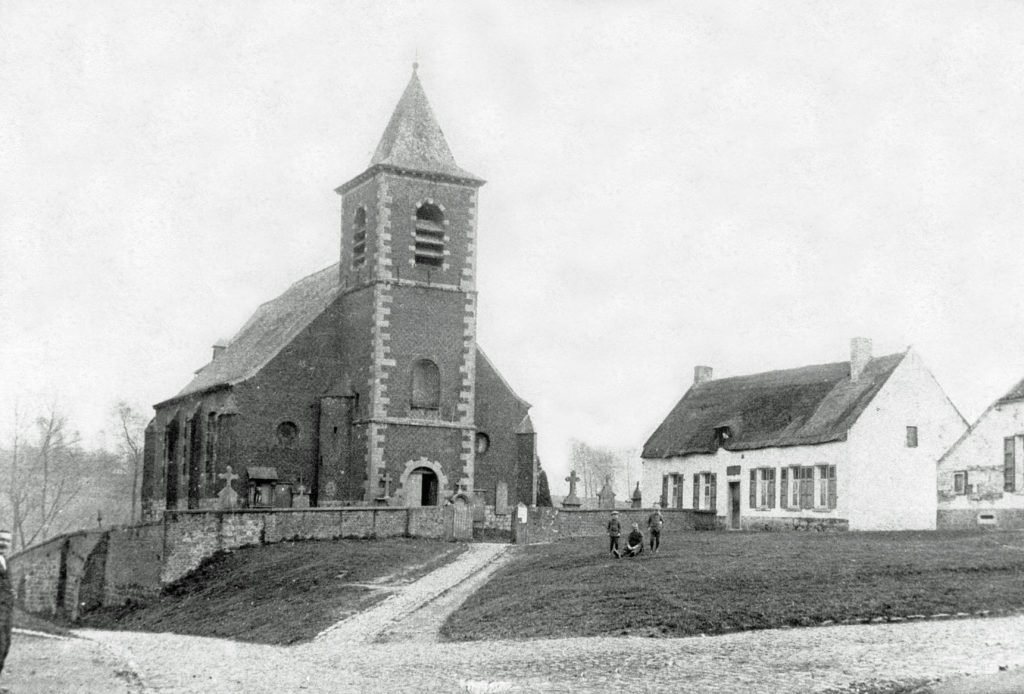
(114, 566)
(550, 524)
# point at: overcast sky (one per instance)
(669, 184)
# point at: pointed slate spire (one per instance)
(413, 140)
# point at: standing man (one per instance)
(614, 531)
(6, 598)
(654, 523)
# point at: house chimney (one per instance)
(860, 355)
(701, 374)
(218, 348)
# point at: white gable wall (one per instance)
(893, 485)
(980, 455)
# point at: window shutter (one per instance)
(784, 489)
(1009, 464)
(753, 488)
(771, 488)
(831, 486)
(664, 490)
(714, 490)
(696, 492)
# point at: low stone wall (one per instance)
(550, 524)
(975, 518)
(810, 523)
(65, 574)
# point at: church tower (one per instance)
(399, 428)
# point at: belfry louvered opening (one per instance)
(359, 238)
(429, 236)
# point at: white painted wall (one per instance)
(980, 454)
(893, 486)
(824, 454)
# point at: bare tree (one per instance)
(593, 464)
(44, 476)
(131, 426)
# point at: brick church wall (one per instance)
(498, 413)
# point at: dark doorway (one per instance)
(428, 486)
(734, 505)
(195, 471)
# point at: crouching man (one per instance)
(634, 543)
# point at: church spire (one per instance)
(413, 140)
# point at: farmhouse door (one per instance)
(734, 505)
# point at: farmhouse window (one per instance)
(762, 487)
(677, 491)
(1009, 464)
(960, 482)
(804, 496)
(827, 486)
(705, 491)
(911, 437)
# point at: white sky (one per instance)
(745, 186)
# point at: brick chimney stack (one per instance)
(860, 355)
(701, 374)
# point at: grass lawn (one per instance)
(282, 593)
(712, 582)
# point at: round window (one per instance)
(287, 432)
(483, 442)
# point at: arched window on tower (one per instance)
(359, 238)
(429, 235)
(426, 385)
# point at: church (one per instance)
(363, 382)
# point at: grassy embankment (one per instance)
(708, 583)
(283, 593)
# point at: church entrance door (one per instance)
(427, 488)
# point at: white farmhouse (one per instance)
(981, 478)
(850, 445)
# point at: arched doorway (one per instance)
(423, 486)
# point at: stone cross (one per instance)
(228, 496)
(572, 479)
(572, 501)
(385, 479)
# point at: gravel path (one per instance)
(389, 614)
(393, 647)
(821, 659)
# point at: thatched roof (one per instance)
(269, 330)
(793, 407)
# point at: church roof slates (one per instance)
(413, 140)
(270, 329)
(792, 407)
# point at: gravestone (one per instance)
(228, 497)
(572, 501)
(637, 499)
(501, 499)
(606, 497)
(301, 498)
(385, 481)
